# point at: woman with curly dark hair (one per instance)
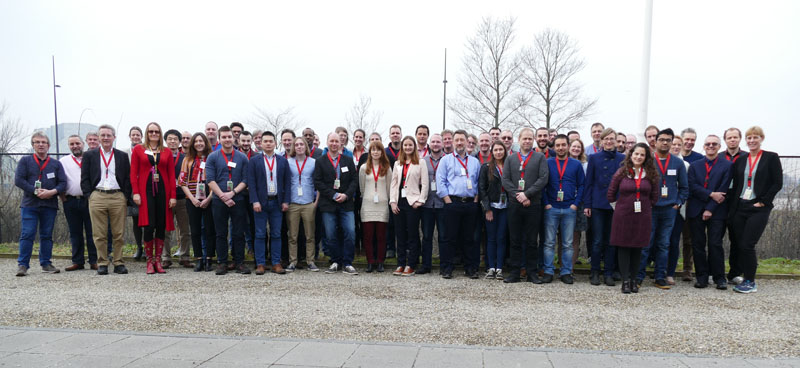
(634, 188)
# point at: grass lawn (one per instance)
(765, 266)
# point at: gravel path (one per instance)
(422, 309)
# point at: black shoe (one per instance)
(447, 274)
(610, 281)
(663, 284)
(511, 279)
(547, 278)
(424, 271)
(595, 278)
(208, 267)
(120, 269)
(200, 265)
(102, 270)
(138, 255)
(635, 286)
(380, 268)
(626, 287)
(534, 278)
(616, 276)
(567, 279)
(700, 285)
(722, 285)
(472, 274)
(242, 269)
(370, 268)
(221, 269)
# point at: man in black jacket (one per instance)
(105, 180)
(336, 179)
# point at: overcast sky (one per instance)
(715, 64)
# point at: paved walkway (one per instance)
(30, 347)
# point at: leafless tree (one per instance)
(361, 116)
(275, 121)
(11, 134)
(550, 65)
(489, 93)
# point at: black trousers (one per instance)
(733, 255)
(407, 230)
(156, 212)
(197, 216)
(708, 235)
(749, 223)
(222, 213)
(460, 224)
(628, 260)
(523, 226)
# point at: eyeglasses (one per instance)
(153, 132)
(665, 140)
(40, 142)
(711, 144)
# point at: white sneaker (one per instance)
(490, 273)
(333, 268)
(499, 274)
(350, 270)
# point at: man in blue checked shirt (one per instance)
(457, 185)
(562, 197)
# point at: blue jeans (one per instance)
(601, 233)
(496, 238)
(430, 217)
(663, 221)
(341, 252)
(32, 217)
(270, 214)
(76, 211)
(674, 251)
(555, 219)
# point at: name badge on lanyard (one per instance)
(503, 198)
(463, 172)
(433, 186)
(637, 206)
(521, 184)
(664, 192)
(271, 188)
(560, 196)
(375, 198)
(230, 185)
(336, 184)
(36, 186)
(469, 183)
(299, 191)
(201, 191)
(748, 193)
(403, 192)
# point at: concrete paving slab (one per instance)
(80, 343)
(156, 362)
(386, 356)
(135, 346)
(194, 349)
(29, 340)
(582, 360)
(693, 362)
(31, 360)
(515, 359)
(777, 363)
(320, 354)
(262, 352)
(82, 361)
(9, 332)
(637, 361)
(449, 358)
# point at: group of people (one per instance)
(286, 198)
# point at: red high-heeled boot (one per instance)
(157, 257)
(148, 251)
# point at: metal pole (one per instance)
(444, 99)
(644, 85)
(55, 104)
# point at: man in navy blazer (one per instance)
(709, 179)
(269, 181)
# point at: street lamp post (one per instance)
(444, 96)
(55, 104)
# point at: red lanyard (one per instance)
(464, 164)
(728, 157)
(249, 153)
(312, 151)
(375, 175)
(546, 152)
(336, 165)
(300, 169)
(435, 167)
(41, 167)
(752, 166)
(663, 168)
(356, 155)
(270, 166)
(424, 153)
(561, 171)
(637, 181)
(405, 174)
(233, 155)
(523, 164)
(200, 170)
(480, 158)
(708, 171)
(79, 163)
(394, 154)
(107, 163)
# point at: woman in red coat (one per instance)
(153, 182)
(636, 183)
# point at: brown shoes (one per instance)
(278, 268)
(260, 270)
(93, 266)
(186, 264)
(74, 267)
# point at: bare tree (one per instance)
(275, 121)
(489, 94)
(11, 134)
(361, 116)
(550, 66)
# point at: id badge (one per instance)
(155, 177)
(503, 198)
(201, 191)
(336, 184)
(203, 165)
(433, 186)
(469, 184)
(375, 198)
(403, 192)
(271, 188)
(637, 206)
(748, 193)
(664, 192)
(463, 172)
(36, 186)
(299, 191)
(560, 196)
(230, 185)
(521, 184)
